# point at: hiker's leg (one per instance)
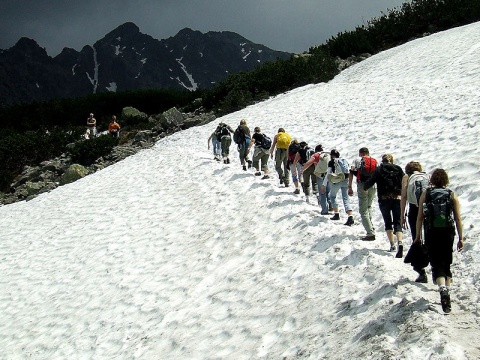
(265, 156)
(412, 219)
(396, 218)
(286, 175)
(256, 158)
(345, 197)
(278, 164)
(333, 195)
(365, 209)
(322, 197)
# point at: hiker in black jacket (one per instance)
(388, 178)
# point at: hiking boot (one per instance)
(228, 161)
(368, 238)
(330, 208)
(350, 221)
(258, 173)
(281, 181)
(445, 300)
(287, 184)
(244, 168)
(335, 217)
(265, 177)
(393, 248)
(225, 161)
(399, 252)
(324, 213)
(249, 163)
(217, 158)
(422, 278)
(297, 191)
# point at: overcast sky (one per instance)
(286, 25)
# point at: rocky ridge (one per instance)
(50, 174)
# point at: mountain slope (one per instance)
(169, 254)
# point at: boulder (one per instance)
(73, 173)
(132, 116)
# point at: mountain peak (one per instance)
(128, 28)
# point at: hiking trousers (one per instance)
(217, 146)
(343, 187)
(365, 200)
(226, 142)
(281, 165)
(309, 179)
(390, 209)
(242, 149)
(261, 155)
(324, 199)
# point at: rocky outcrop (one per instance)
(48, 175)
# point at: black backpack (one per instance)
(305, 154)
(391, 178)
(239, 136)
(438, 209)
(266, 142)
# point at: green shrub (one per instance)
(88, 151)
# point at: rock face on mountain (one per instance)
(126, 59)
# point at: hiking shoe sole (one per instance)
(368, 238)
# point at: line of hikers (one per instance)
(431, 204)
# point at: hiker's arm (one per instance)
(458, 221)
(403, 201)
(208, 141)
(307, 165)
(350, 182)
(272, 148)
(420, 217)
(250, 146)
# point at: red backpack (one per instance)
(367, 167)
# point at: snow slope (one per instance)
(170, 255)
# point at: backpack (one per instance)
(305, 154)
(417, 183)
(438, 209)
(283, 140)
(292, 151)
(340, 169)
(367, 168)
(391, 177)
(322, 165)
(239, 136)
(266, 142)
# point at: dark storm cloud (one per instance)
(279, 24)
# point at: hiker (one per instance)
(242, 138)
(362, 169)
(281, 141)
(91, 126)
(294, 169)
(223, 135)
(261, 153)
(388, 178)
(439, 213)
(217, 146)
(114, 127)
(319, 162)
(337, 176)
(309, 178)
(414, 182)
